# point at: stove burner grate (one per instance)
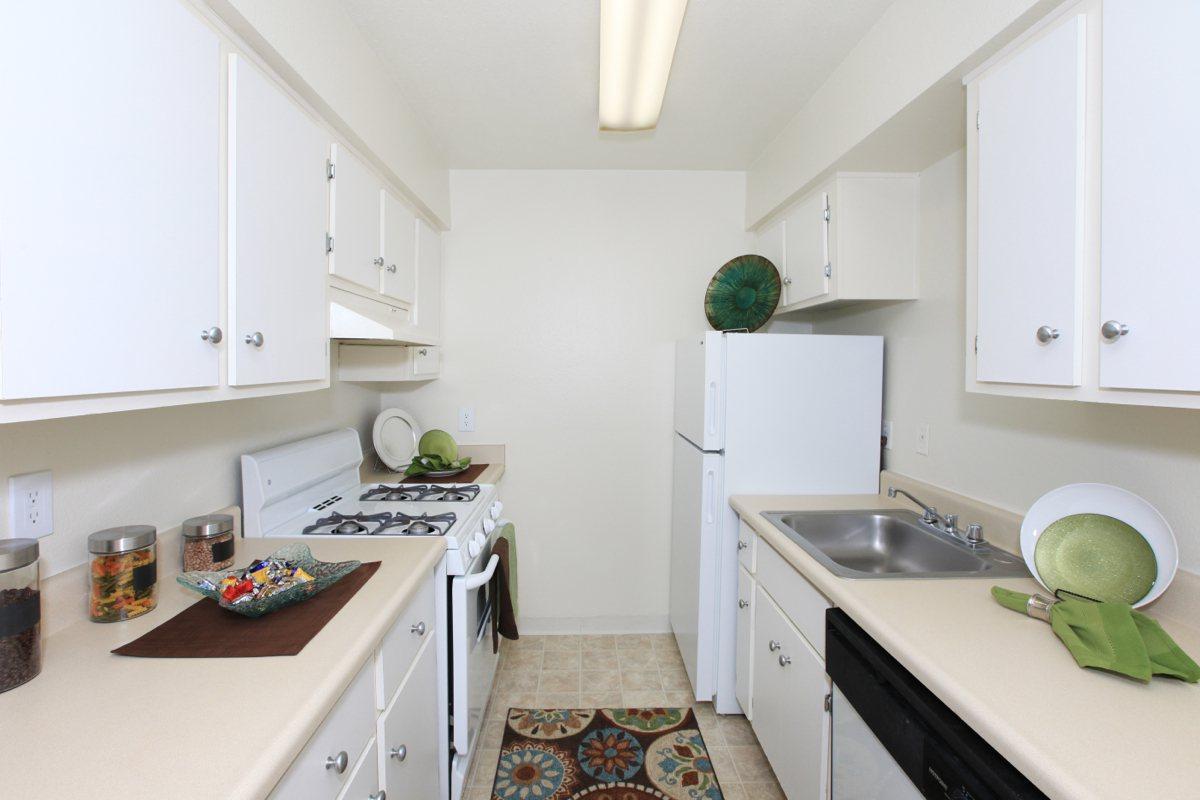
(347, 524)
(426, 493)
(423, 525)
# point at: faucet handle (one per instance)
(952, 524)
(975, 533)
(930, 516)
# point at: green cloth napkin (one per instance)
(509, 532)
(1111, 636)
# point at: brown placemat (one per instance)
(472, 473)
(205, 630)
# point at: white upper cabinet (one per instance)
(277, 214)
(356, 222)
(1081, 208)
(109, 201)
(427, 322)
(1030, 123)
(399, 250)
(851, 240)
(806, 249)
(1149, 276)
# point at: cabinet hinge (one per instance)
(977, 119)
(827, 215)
(829, 702)
(328, 244)
(976, 345)
(829, 270)
(330, 170)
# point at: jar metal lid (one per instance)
(207, 526)
(16, 553)
(122, 539)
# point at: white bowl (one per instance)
(1112, 501)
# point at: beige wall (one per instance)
(1008, 451)
(163, 465)
(565, 291)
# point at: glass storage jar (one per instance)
(208, 543)
(124, 572)
(20, 613)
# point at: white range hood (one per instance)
(359, 318)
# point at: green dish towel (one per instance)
(509, 532)
(1111, 636)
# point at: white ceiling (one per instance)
(513, 83)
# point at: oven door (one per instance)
(471, 652)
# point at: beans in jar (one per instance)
(20, 632)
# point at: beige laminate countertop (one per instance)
(1075, 733)
(95, 724)
(374, 472)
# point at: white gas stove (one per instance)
(312, 488)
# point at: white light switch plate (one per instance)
(923, 439)
(466, 419)
(31, 505)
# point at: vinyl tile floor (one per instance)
(611, 672)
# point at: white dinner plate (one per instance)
(1111, 501)
(396, 435)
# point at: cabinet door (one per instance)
(1030, 258)
(277, 214)
(427, 316)
(357, 216)
(771, 245)
(806, 250)
(790, 689)
(408, 739)
(426, 361)
(109, 228)
(399, 250)
(1149, 280)
(744, 684)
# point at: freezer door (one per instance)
(699, 390)
(695, 526)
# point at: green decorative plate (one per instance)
(743, 294)
(1097, 556)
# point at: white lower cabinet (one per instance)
(358, 753)
(744, 685)
(790, 691)
(408, 745)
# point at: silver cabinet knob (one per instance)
(787, 281)
(399, 753)
(785, 660)
(213, 335)
(391, 268)
(1046, 334)
(255, 338)
(378, 261)
(742, 545)
(1113, 330)
(338, 763)
(773, 645)
(423, 351)
(418, 629)
(380, 795)
(743, 603)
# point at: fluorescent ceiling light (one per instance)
(637, 45)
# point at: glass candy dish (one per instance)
(324, 574)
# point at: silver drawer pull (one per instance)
(743, 603)
(742, 545)
(785, 660)
(380, 795)
(418, 629)
(338, 763)
(773, 645)
(399, 753)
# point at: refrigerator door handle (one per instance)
(710, 495)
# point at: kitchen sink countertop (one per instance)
(1075, 733)
(97, 724)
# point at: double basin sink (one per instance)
(890, 543)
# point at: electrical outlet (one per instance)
(887, 434)
(31, 505)
(466, 419)
(923, 439)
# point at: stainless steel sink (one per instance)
(890, 543)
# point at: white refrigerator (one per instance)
(757, 413)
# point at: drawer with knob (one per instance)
(363, 783)
(408, 743)
(325, 764)
(400, 644)
(747, 546)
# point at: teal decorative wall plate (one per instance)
(743, 294)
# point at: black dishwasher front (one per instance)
(942, 756)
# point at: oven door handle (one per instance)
(480, 578)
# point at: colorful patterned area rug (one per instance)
(604, 754)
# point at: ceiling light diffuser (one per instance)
(637, 46)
